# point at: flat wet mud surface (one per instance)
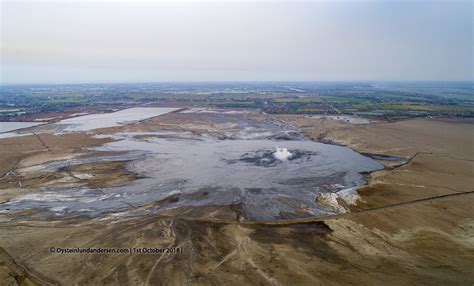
(268, 178)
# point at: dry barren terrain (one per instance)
(413, 225)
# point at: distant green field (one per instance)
(9, 110)
(67, 100)
(301, 99)
(412, 107)
(343, 99)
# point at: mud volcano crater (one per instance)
(270, 158)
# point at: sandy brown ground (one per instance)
(22, 159)
(415, 227)
(439, 152)
(12, 150)
(429, 243)
(184, 122)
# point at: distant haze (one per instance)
(153, 41)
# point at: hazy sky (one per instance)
(90, 41)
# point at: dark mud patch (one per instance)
(311, 238)
(168, 200)
(287, 136)
(323, 182)
(266, 158)
(383, 157)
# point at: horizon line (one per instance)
(237, 81)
